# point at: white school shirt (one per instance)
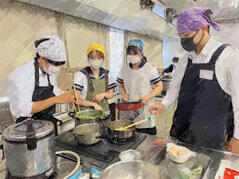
(138, 83)
(22, 85)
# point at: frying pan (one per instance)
(129, 106)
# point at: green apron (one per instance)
(96, 86)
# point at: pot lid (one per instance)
(18, 132)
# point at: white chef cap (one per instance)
(53, 49)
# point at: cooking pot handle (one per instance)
(136, 114)
(30, 135)
(106, 117)
(106, 135)
(103, 133)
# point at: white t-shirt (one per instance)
(139, 83)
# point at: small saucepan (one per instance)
(116, 136)
(87, 134)
(129, 106)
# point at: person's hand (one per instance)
(157, 108)
(125, 98)
(145, 99)
(234, 145)
(160, 141)
(99, 97)
(168, 74)
(98, 107)
(66, 98)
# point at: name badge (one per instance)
(206, 74)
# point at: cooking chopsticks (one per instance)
(132, 125)
(77, 99)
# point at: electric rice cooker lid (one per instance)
(18, 132)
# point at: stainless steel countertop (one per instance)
(150, 151)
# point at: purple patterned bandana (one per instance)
(193, 19)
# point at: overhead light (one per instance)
(162, 2)
(147, 4)
(236, 3)
(170, 14)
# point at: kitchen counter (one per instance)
(150, 152)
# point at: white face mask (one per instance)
(133, 59)
(96, 64)
(52, 69)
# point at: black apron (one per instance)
(204, 109)
(41, 93)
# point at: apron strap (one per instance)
(106, 79)
(48, 78)
(36, 73)
(217, 53)
(90, 83)
(190, 62)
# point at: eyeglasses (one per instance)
(55, 63)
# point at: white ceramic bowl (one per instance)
(178, 154)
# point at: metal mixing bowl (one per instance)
(129, 155)
(131, 170)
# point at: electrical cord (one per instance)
(77, 165)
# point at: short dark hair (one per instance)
(132, 49)
(175, 59)
(208, 28)
(55, 63)
(37, 42)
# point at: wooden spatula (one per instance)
(132, 125)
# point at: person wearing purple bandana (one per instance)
(205, 85)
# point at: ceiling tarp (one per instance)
(223, 9)
(122, 14)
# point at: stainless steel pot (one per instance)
(131, 170)
(121, 134)
(30, 148)
(87, 134)
(79, 121)
(88, 117)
